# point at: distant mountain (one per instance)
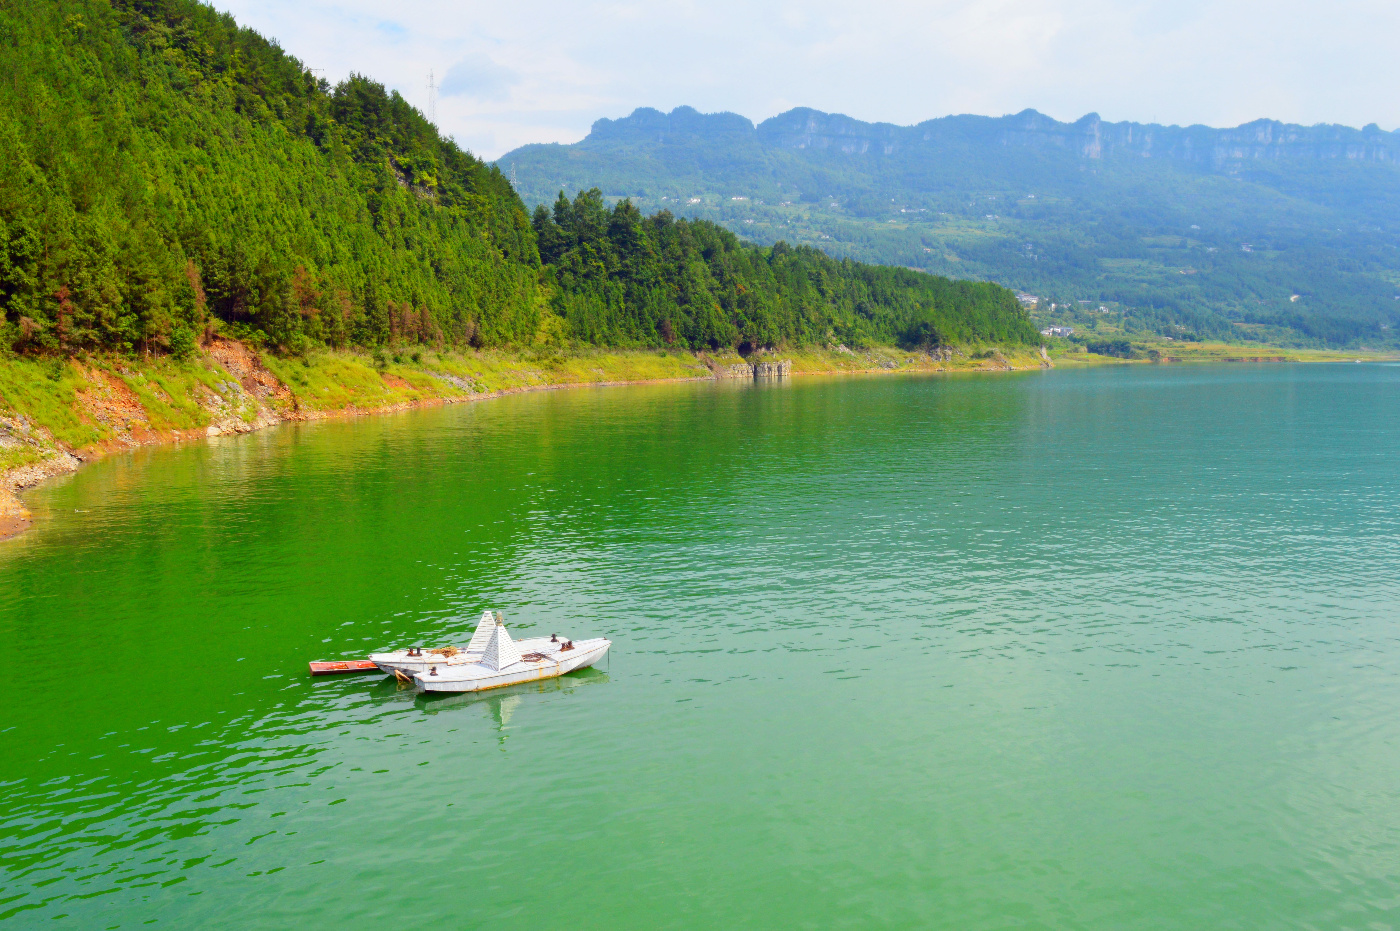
(1267, 230)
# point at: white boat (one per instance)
(404, 663)
(504, 662)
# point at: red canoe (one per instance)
(352, 665)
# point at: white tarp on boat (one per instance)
(483, 633)
(500, 651)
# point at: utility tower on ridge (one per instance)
(432, 98)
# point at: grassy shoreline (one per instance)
(1175, 351)
(56, 414)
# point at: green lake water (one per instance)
(1103, 649)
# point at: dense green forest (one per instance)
(622, 278)
(164, 172)
(1268, 231)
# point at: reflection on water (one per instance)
(1094, 649)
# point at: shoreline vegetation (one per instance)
(58, 413)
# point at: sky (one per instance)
(512, 72)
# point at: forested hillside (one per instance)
(621, 278)
(161, 165)
(1267, 231)
(164, 173)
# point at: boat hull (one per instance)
(474, 677)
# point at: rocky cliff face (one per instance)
(647, 124)
(686, 140)
(1089, 137)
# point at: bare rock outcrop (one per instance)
(779, 369)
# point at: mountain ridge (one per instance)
(1090, 135)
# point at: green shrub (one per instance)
(182, 342)
(1119, 348)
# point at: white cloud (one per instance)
(543, 70)
(479, 77)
